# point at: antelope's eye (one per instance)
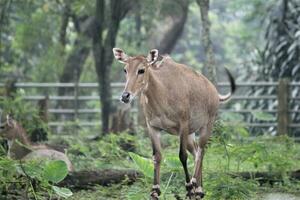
(125, 71)
(141, 71)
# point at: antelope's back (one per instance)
(190, 88)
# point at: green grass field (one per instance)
(224, 156)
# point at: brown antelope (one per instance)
(175, 99)
(20, 148)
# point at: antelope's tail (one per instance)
(223, 98)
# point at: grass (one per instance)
(223, 155)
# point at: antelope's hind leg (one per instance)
(183, 155)
(196, 180)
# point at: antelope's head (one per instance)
(8, 129)
(136, 70)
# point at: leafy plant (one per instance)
(55, 171)
(222, 186)
(143, 164)
(37, 178)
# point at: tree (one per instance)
(5, 6)
(281, 54)
(210, 63)
(80, 51)
(170, 37)
(102, 48)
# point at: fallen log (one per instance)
(87, 179)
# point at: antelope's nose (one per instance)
(125, 97)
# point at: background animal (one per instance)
(21, 148)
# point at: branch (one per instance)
(64, 24)
(170, 38)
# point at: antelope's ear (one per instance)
(152, 56)
(10, 121)
(120, 55)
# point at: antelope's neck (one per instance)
(152, 96)
(21, 136)
(20, 145)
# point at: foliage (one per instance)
(34, 178)
(230, 151)
(279, 56)
(55, 171)
(281, 53)
(223, 186)
(143, 164)
(23, 112)
(259, 38)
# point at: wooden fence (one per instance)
(86, 94)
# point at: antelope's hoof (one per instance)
(154, 195)
(190, 190)
(189, 195)
(199, 195)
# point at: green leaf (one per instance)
(263, 116)
(55, 171)
(143, 164)
(173, 163)
(61, 191)
(232, 117)
(32, 169)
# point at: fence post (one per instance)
(76, 83)
(43, 108)
(283, 107)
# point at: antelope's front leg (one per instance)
(155, 140)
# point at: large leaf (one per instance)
(263, 116)
(145, 165)
(61, 191)
(31, 169)
(173, 163)
(55, 171)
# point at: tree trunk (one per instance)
(74, 62)
(102, 50)
(99, 60)
(64, 24)
(39, 134)
(210, 63)
(171, 37)
(76, 59)
(4, 9)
